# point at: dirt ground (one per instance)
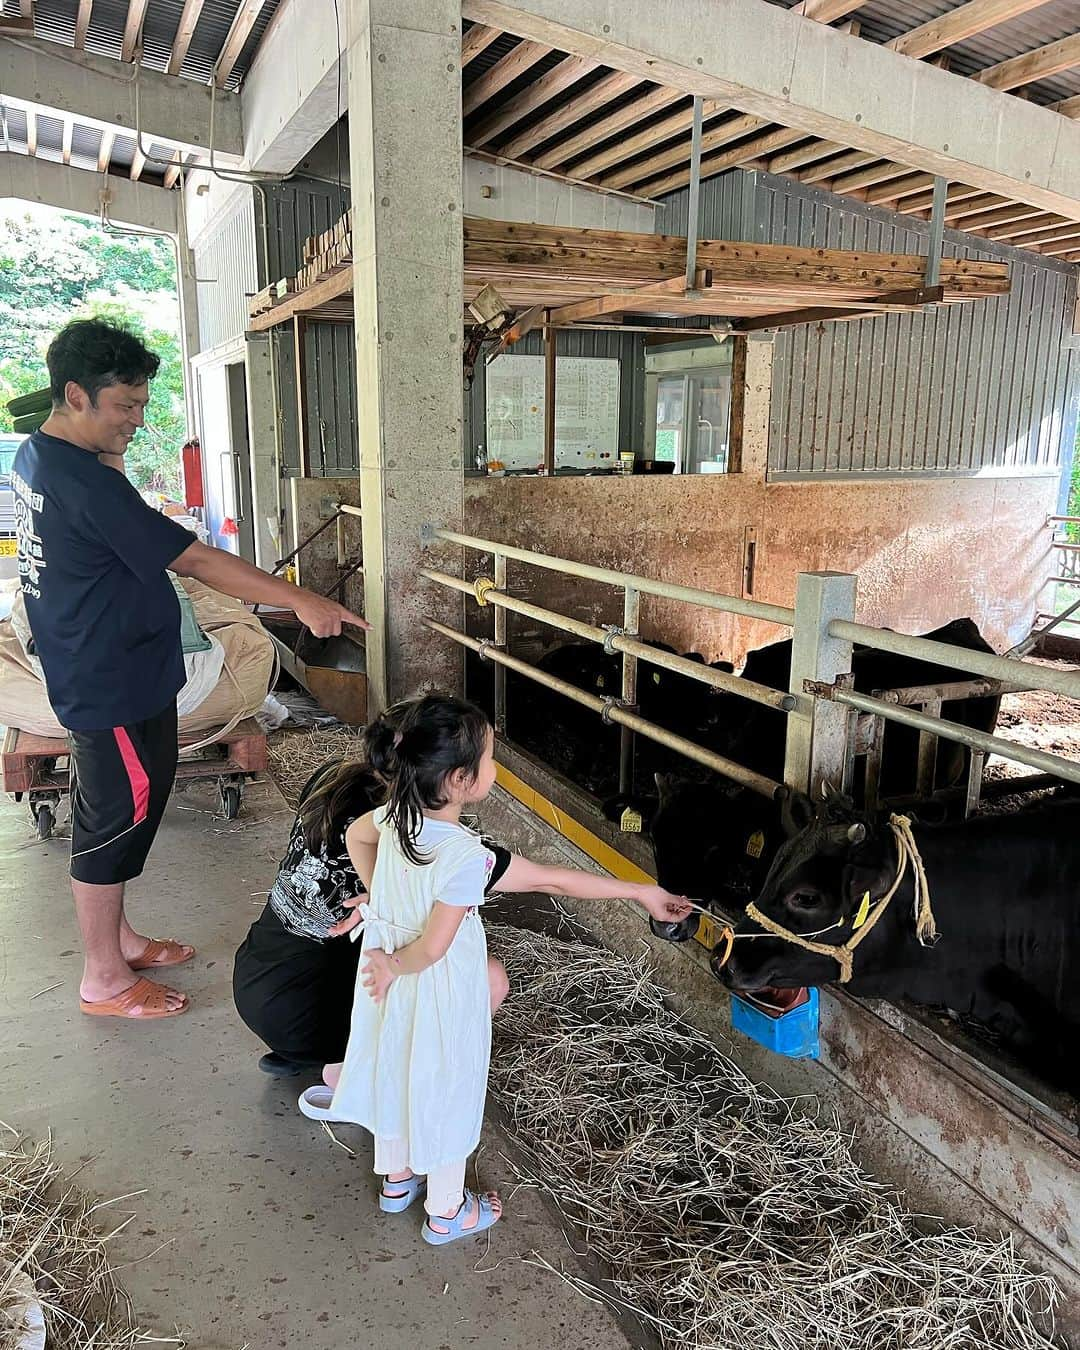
(1040, 720)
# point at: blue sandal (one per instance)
(411, 1189)
(485, 1218)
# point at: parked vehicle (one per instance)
(9, 443)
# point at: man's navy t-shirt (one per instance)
(103, 613)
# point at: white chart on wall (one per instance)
(586, 412)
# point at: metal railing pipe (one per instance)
(609, 709)
(694, 670)
(669, 590)
(1055, 765)
(1065, 682)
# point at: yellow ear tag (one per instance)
(755, 845)
(630, 821)
(864, 910)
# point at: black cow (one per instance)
(1004, 895)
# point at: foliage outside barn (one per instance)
(56, 267)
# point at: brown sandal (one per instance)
(144, 995)
(163, 952)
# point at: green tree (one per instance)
(55, 268)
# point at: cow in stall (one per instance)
(1001, 893)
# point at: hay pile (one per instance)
(727, 1216)
(295, 755)
(50, 1245)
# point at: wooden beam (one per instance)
(105, 149)
(747, 155)
(721, 134)
(477, 39)
(825, 11)
(65, 143)
(835, 170)
(26, 8)
(641, 108)
(514, 64)
(1001, 215)
(1068, 107)
(570, 112)
(636, 144)
(185, 31)
(805, 154)
(958, 192)
(1063, 252)
(17, 23)
(1031, 66)
(567, 72)
(964, 22)
(882, 172)
(136, 13)
(896, 302)
(239, 32)
(620, 301)
(1053, 236)
(31, 132)
(138, 163)
(172, 173)
(82, 23)
(1020, 230)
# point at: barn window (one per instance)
(688, 408)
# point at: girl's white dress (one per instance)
(416, 1065)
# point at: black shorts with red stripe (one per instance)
(121, 778)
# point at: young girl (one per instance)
(415, 1071)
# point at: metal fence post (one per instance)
(500, 642)
(818, 729)
(631, 620)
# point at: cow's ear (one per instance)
(796, 811)
(665, 786)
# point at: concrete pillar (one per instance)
(405, 168)
(265, 467)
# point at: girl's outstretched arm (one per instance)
(523, 875)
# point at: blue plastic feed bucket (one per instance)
(793, 1032)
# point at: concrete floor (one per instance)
(254, 1229)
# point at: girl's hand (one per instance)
(350, 921)
(662, 904)
(378, 974)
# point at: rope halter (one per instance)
(925, 928)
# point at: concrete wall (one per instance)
(309, 506)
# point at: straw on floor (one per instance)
(727, 1216)
(50, 1237)
(295, 755)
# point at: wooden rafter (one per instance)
(105, 149)
(654, 101)
(560, 119)
(26, 8)
(82, 23)
(136, 13)
(65, 140)
(959, 24)
(240, 30)
(31, 132)
(827, 169)
(477, 39)
(185, 31)
(826, 11)
(883, 171)
(956, 194)
(644, 140)
(1031, 66)
(560, 77)
(1020, 230)
(172, 173)
(746, 155)
(1068, 107)
(804, 154)
(1001, 215)
(1054, 235)
(515, 63)
(138, 163)
(722, 134)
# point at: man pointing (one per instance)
(106, 627)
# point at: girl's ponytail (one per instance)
(382, 740)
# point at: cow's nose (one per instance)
(681, 931)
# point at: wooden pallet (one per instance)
(30, 763)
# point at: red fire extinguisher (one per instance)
(191, 467)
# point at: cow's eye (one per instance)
(805, 900)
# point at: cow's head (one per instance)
(822, 885)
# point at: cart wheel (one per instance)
(230, 801)
(44, 819)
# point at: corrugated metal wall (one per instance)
(225, 265)
(297, 209)
(629, 349)
(980, 386)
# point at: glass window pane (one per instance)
(709, 423)
(670, 397)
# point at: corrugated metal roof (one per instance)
(882, 20)
(54, 20)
